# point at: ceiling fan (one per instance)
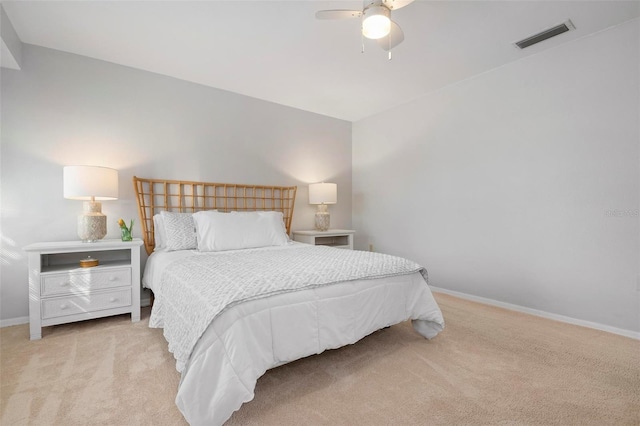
(376, 21)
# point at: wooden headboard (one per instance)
(156, 195)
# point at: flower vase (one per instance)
(125, 234)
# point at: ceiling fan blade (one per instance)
(397, 4)
(338, 14)
(395, 37)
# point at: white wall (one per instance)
(520, 185)
(10, 44)
(64, 109)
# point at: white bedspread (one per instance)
(228, 317)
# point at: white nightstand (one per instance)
(60, 291)
(340, 238)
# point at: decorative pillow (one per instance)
(159, 234)
(239, 230)
(179, 231)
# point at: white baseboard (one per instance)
(14, 321)
(538, 313)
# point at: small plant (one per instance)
(125, 232)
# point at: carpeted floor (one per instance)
(490, 366)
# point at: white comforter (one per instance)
(230, 316)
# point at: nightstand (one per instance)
(339, 238)
(61, 291)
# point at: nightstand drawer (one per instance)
(83, 281)
(63, 306)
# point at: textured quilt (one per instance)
(195, 290)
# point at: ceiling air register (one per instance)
(546, 34)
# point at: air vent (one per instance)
(546, 34)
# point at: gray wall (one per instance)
(520, 185)
(63, 109)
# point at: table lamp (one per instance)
(323, 194)
(91, 184)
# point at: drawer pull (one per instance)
(65, 284)
(64, 306)
(113, 299)
(113, 278)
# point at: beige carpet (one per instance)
(490, 366)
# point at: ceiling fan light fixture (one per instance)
(376, 22)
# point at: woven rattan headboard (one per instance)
(156, 195)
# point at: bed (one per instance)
(236, 297)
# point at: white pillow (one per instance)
(159, 233)
(179, 230)
(239, 230)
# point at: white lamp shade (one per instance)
(84, 182)
(323, 193)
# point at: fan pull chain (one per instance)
(362, 40)
(389, 55)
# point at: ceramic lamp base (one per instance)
(323, 219)
(92, 224)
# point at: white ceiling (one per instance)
(278, 51)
